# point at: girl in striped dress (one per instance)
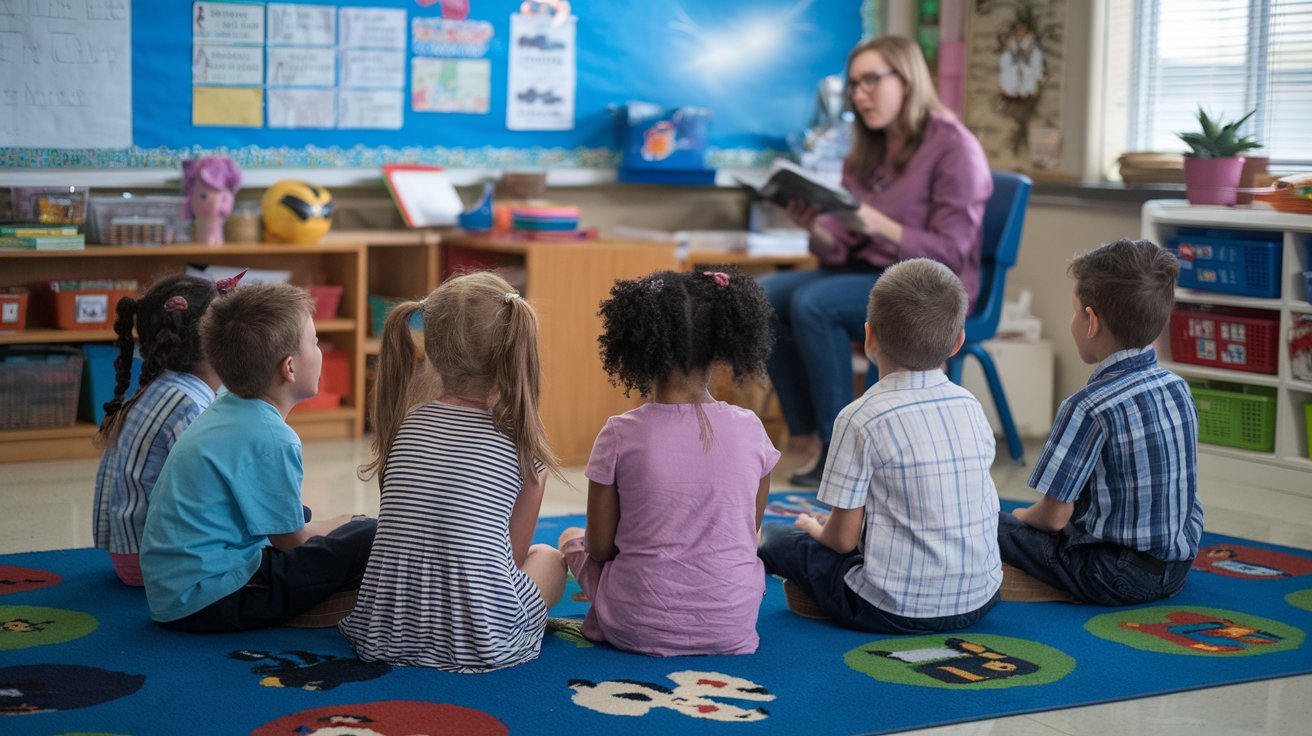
(176, 385)
(453, 581)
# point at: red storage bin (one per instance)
(13, 309)
(88, 305)
(1225, 337)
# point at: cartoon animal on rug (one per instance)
(1204, 633)
(961, 662)
(23, 626)
(692, 696)
(1237, 561)
(385, 718)
(42, 688)
(310, 671)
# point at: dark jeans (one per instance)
(289, 583)
(1094, 571)
(791, 553)
(817, 315)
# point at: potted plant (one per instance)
(1213, 165)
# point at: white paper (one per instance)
(373, 28)
(450, 85)
(373, 68)
(253, 275)
(66, 74)
(428, 197)
(227, 22)
(302, 25)
(302, 108)
(241, 66)
(370, 108)
(542, 73)
(302, 67)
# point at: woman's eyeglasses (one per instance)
(867, 82)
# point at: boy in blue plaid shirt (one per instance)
(1120, 519)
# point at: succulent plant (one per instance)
(1218, 139)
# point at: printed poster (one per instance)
(372, 28)
(370, 108)
(297, 67)
(542, 73)
(241, 66)
(451, 85)
(442, 37)
(302, 108)
(302, 25)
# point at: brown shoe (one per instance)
(802, 604)
(1020, 586)
(328, 613)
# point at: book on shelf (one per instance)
(42, 242)
(785, 182)
(35, 229)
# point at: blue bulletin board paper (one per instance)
(753, 63)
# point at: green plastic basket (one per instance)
(1236, 414)
(1307, 419)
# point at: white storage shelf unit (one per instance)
(1287, 466)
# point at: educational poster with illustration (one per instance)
(541, 72)
(448, 73)
(1013, 85)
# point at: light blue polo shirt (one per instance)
(232, 479)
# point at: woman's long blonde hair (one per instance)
(481, 340)
(869, 147)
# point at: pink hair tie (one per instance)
(176, 304)
(226, 285)
(721, 278)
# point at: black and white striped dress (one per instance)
(442, 589)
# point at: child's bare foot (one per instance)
(572, 532)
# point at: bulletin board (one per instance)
(753, 63)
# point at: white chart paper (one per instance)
(302, 108)
(542, 74)
(227, 65)
(302, 67)
(227, 23)
(373, 28)
(370, 108)
(302, 25)
(367, 68)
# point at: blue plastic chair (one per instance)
(1004, 218)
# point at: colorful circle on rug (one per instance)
(1250, 563)
(969, 662)
(34, 626)
(1195, 630)
(386, 718)
(22, 579)
(42, 688)
(1300, 599)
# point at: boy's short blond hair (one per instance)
(1131, 286)
(917, 310)
(247, 333)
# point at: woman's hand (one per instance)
(802, 214)
(875, 222)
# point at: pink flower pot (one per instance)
(1212, 180)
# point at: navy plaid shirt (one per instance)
(1123, 449)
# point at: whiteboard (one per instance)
(67, 73)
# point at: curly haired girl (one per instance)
(677, 487)
(176, 385)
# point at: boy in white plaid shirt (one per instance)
(910, 546)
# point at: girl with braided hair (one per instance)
(176, 385)
(678, 486)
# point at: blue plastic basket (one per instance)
(98, 379)
(1228, 261)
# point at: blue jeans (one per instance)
(791, 553)
(1094, 571)
(817, 315)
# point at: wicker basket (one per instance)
(39, 386)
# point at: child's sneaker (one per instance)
(802, 604)
(1020, 586)
(337, 607)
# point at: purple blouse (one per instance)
(938, 199)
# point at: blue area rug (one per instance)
(78, 654)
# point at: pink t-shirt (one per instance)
(686, 579)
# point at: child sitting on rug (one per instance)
(1120, 520)
(454, 581)
(176, 385)
(226, 546)
(677, 487)
(909, 467)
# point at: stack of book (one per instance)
(41, 237)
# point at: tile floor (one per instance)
(47, 505)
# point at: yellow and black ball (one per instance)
(296, 211)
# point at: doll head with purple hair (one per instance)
(209, 187)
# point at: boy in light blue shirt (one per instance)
(226, 546)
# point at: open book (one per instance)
(786, 181)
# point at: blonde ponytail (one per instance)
(518, 379)
(393, 396)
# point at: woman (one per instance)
(923, 181)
